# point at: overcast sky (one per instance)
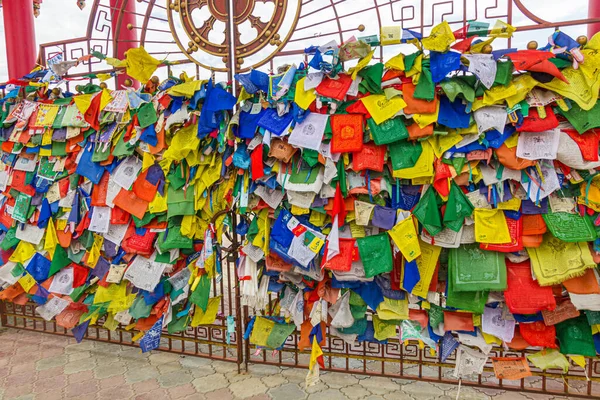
(62, 19)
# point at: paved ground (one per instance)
(43, 366)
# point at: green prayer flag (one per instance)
(59, 261)
(473, 269)
(581, 119)
(139, 308)
(436, 315)
(358, 307)
(593, 317)
(504, 72)
(428, 213)
(147, 115)
(200, 296)
(180, 202)
(425, 89)
(178, 325)
(454, 86)
(311, 157)
(358, 327)
(173, 239)
(376, 254)
(570, 227)
(279, 335)
(389, 131)
(575, 337)
(372, 76)
(405, 154)
(458, 208)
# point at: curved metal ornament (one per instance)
(197, 33)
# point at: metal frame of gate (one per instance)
(327, 17)
(210, 341)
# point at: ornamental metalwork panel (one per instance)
(202, 36)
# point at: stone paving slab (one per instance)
(48, 367)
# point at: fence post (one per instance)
(231, 260)
(3, 317)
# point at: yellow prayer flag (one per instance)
(47, 137)
(391, 309)
(304, 98)
(46, 114)
(426, 264)
(140, 65)
(186, 89)
(478, 47)
(50, 238)
(105, 99)
(502, 30)
(422, 168)
(244, 95)
(581, 88)
(147, 161)
(317, 218)
(512, 141)
(83, 101)
(498, 93)
(111, 323)
(315, 353)
(382, 109)
(112, 292)
(406, 239)
(491, 227)
(491, 339)
(261, 331)
(577, 359)
(94, 254)
(390, 35)
(299, 210)
(27, 282)
(158, 205)
(443, 143)
(440, 38)
(513, 204)
(396, 63)
(185, 141)
(103, 77)
(23, 252)
(523, 84)
(206, 317)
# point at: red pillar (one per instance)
(593, 12)
(19, 36)
(123, 14)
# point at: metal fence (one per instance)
(394, 359)
(211, 341)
